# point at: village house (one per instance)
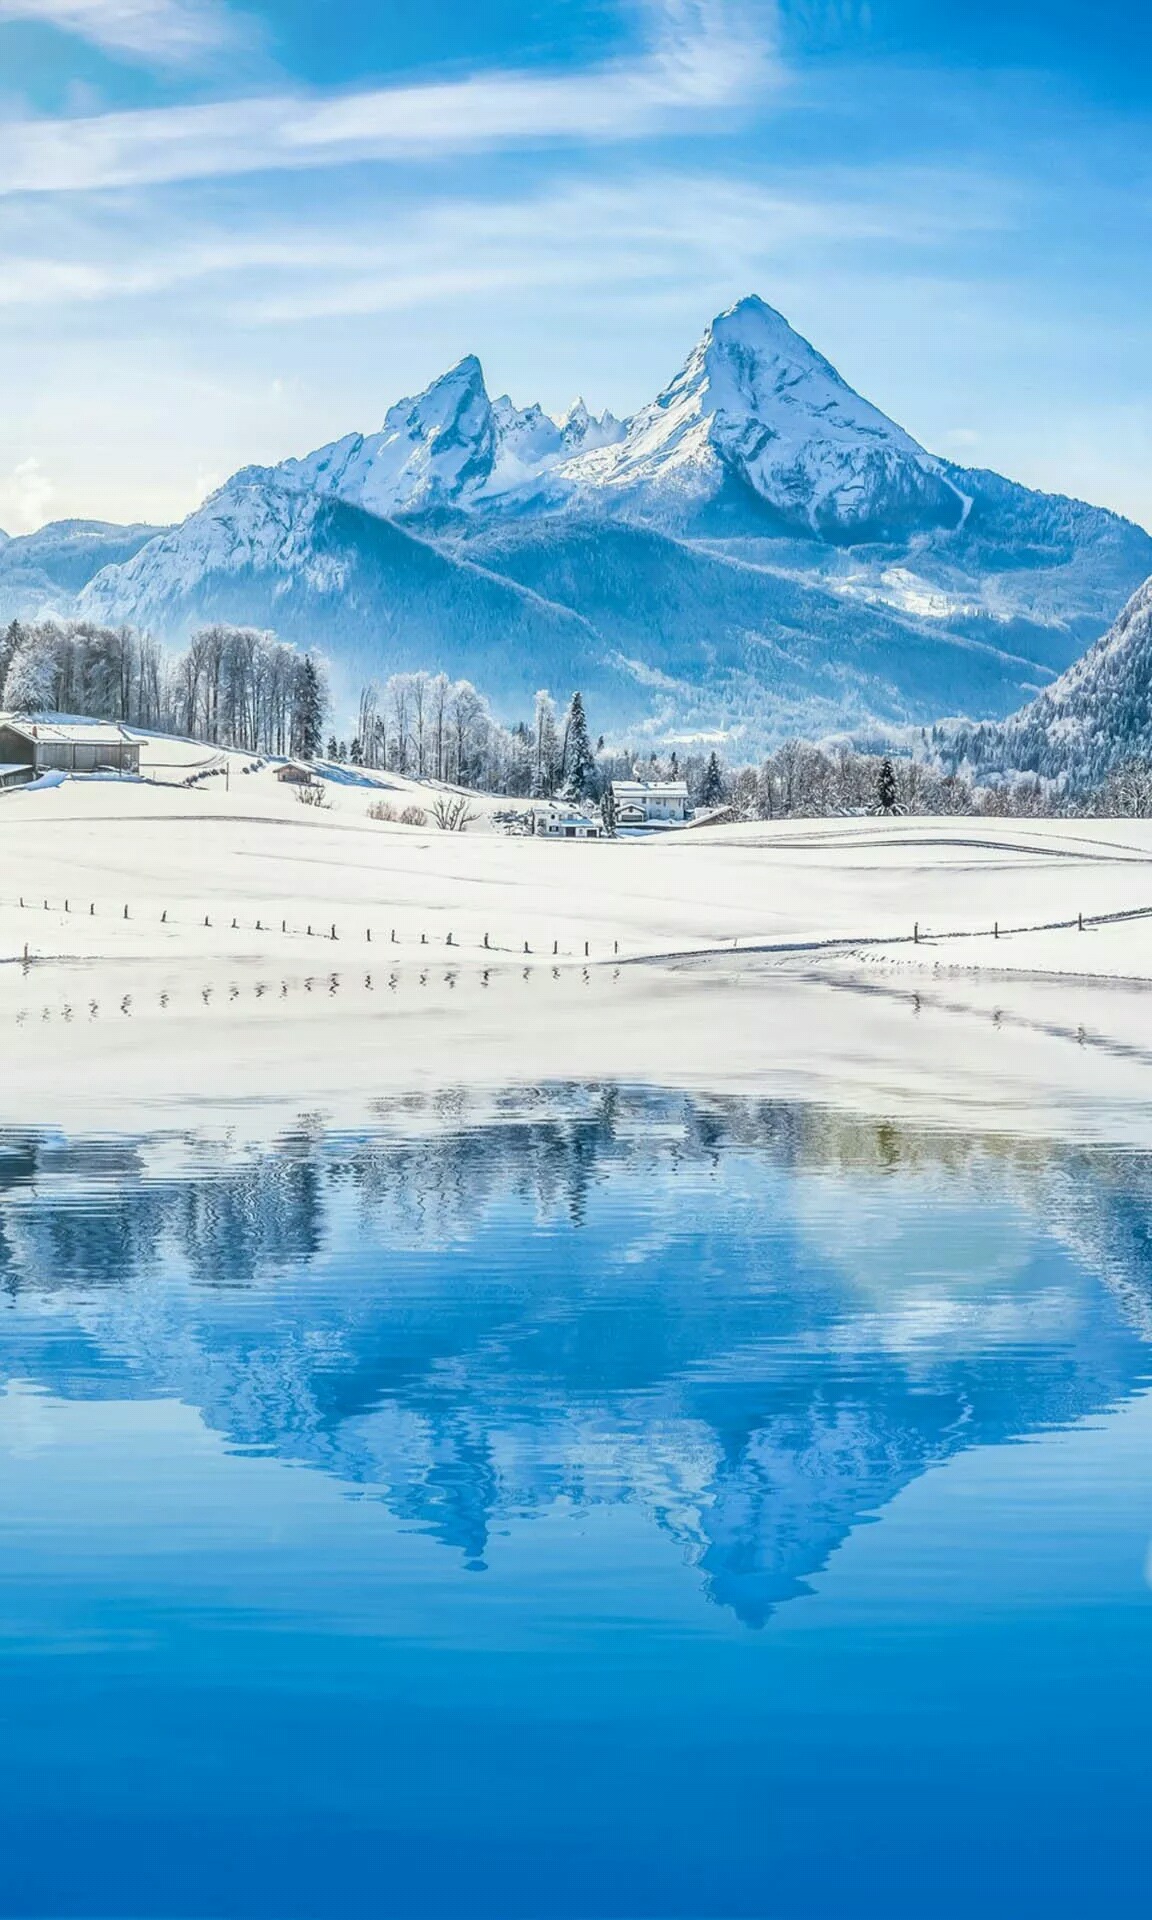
(646, 803)
(564, 823)
(31, 746)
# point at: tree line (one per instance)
(232, 686)
(244, 687)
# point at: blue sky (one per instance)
(232, 233)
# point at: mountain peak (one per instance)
(756, 413)
(751, 326)
(434, 447)
(445, 401)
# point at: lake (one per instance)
(585, 1501)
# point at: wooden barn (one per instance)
(31, 745)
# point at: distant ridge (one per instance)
(1091, 720)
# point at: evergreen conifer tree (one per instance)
(579, 759)
(608, 811)
(886, 792)
(308, 706)
(712, 786)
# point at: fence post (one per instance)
(125, 910)
(916, 933)
(1080, 922)
(996, 930)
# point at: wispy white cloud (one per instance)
(166, 33)
(649, 230)
(704, 57)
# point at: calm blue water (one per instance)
(587, 1504)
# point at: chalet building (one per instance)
(30, 746)
(648, 803)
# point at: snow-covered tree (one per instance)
(547, 755)
(31, 682)
(887, 793)
(712, 785)
(308, 705)
(579, 760)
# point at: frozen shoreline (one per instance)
(726, 959)
(233, 1048)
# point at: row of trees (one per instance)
(804, 781)
(244, 687)
(432, 728)
(233, 686)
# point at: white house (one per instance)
(645, 803)
(564, 823)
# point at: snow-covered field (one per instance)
(779, 956)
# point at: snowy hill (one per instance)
(43, 572)
(1094, 717)
(760, 548)
(362, 588)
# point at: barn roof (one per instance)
(55, 729)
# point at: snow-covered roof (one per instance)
(49, 728)
(650, 789)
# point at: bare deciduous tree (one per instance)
(452, 813)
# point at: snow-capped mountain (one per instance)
(41, 573)
(756, 407)
(449, 446)
(1090, 720)
(759, 549)
(362, 588)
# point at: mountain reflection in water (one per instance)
(756, 1323)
